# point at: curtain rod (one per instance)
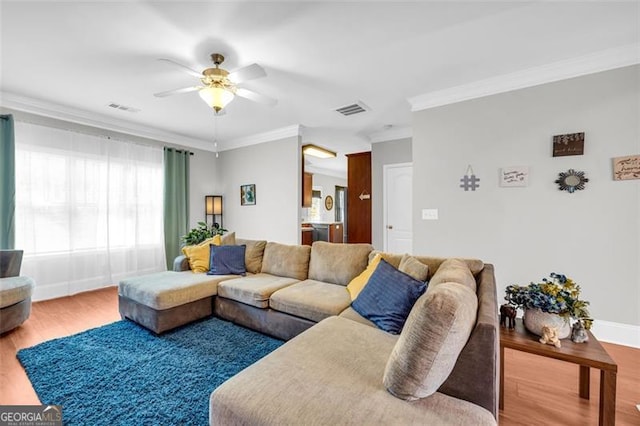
(178, 150)
(79, 131)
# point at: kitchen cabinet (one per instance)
(307, 189)
(323, 231)
(307, 236)
(336, 233)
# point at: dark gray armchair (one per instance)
(15, 291)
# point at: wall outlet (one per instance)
(429, 214)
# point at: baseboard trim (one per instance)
(618, 333)
(55, 291)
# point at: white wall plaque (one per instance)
(514, 176)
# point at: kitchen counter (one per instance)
(323, 231)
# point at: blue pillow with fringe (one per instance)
(388, 297)
(227, 260)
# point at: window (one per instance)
(315, 211)
(88, 209)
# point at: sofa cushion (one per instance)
(253, 290)
(169, 289)
(286, 260)
(253, 254)
(454, 270)
(337, 263)
(413, 267)
(351, 314)
(331, 375)
(228, 240)
(313, 300)
(15, 289)
(226, 260)
(388, 297)
(435, 333)
(475, 265)
(392, 259)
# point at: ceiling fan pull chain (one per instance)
(215, 134)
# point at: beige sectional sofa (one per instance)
(338, 367)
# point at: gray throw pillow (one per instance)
(433, 336)
(412, 266)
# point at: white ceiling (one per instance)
(81, 56)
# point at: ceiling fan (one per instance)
(219, 86)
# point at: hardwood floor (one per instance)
(537, 390)
(50, 319)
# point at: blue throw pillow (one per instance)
(227, 260)
(388, 297)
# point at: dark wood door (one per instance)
(359, 197)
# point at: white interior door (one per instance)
(397, 200)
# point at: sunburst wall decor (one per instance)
(571, 180)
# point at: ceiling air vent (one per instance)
(123, 107)
(355, 108)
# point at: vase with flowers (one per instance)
(551, 302)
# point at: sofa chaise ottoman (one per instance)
(169, 299)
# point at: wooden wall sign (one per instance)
(626, 168)
(569, 144)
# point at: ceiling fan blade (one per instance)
(256, 97)
(250, 72)
(176, 91)
(183, 67)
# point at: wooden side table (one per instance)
(586, 355)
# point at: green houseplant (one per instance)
(202, 232)
(556, 295)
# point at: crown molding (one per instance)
(391, 134)
(73, 115)
(588, 64)
(268, 136)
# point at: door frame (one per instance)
(385, 168)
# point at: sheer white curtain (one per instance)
(88, 209)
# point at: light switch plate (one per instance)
(429, 214)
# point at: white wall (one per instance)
(274, 167)
(382, 153)
(328, 185)
(204, 179)
(592, 236)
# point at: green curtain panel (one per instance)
(7, 183)
(176, 201)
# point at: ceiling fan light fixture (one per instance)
(317, 151)
(216, 96)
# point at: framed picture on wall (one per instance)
(248, 195)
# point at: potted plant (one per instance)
(550, 302)
(201, 233)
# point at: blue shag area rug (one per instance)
(122, 374)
